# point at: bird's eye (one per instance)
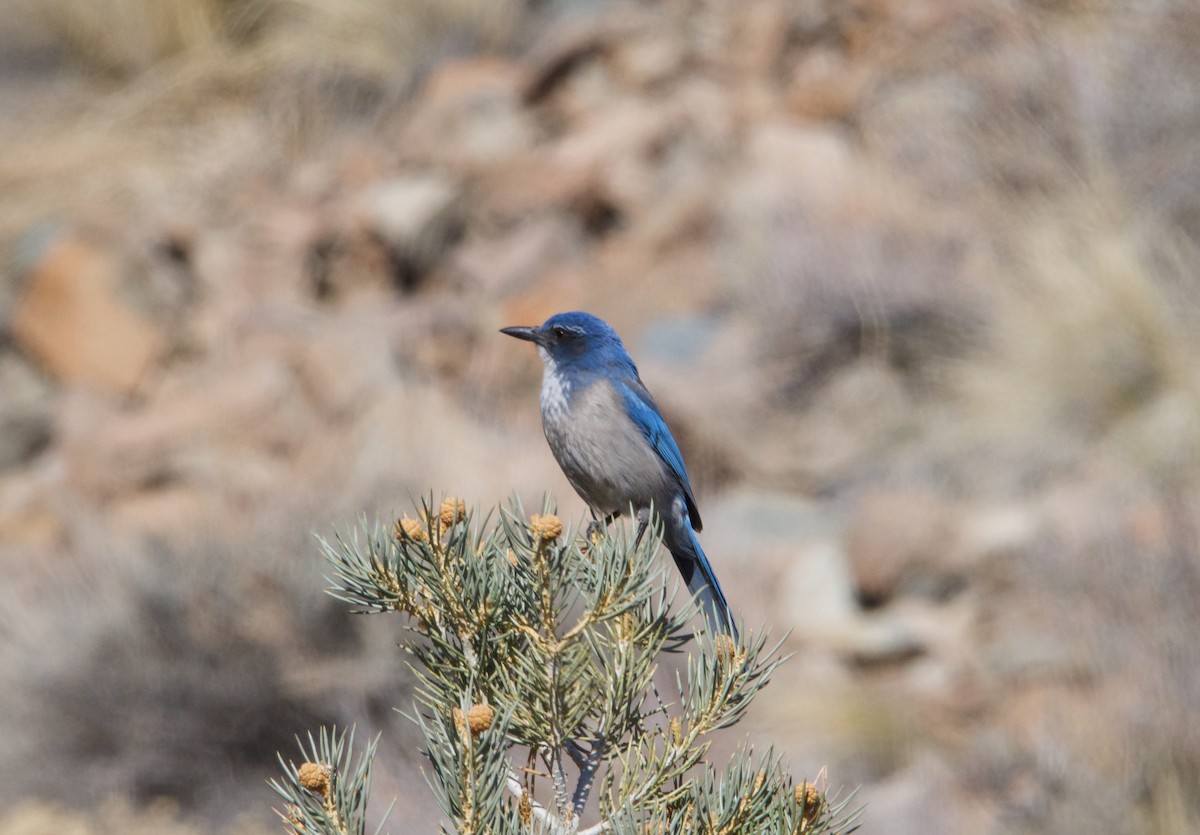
(559, 331)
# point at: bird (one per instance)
(611, 441)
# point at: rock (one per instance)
(236, 429)
(645, 61)
(996, 531)
(826, 86)
(799, 579)
(508, 194)
(563, 58)
(762, 36)
(895, 539)
(72, 318)
(506, 262)
(417, 216)
(25, 411)
(621, 141)
(469, 113)
(790, 164)
(163, 512)
(340, 363)
(22, 436)
(882, 640)
(820, 594)
(29, 519)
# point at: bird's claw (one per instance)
(594, 531)
(597, 527)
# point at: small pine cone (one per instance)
(480, 718)
(525, 809)
(726, 649)
(315, 778)
(452, 510)
(546, 528)
(460, 723)
(410, 529)
(810, 801)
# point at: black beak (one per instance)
(528, 334)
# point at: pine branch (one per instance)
(525, 638)
(324, 793)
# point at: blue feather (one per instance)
(643, 411)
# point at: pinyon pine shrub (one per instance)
(535, 653)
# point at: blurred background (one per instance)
(915, 283)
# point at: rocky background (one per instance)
(915, 283)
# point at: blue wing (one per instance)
(644, 412)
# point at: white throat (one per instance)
(555, 388)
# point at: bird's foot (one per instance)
(596, 527)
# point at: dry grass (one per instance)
(178, 673)
(126, 38)
(175, 84)
(1091, 336)
(114, 817)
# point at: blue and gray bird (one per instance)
(614, 447)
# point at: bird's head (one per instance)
(574, 340)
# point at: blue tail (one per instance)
(698, 574)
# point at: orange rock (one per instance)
(454, 81)
(71, 319)
(35, 529)
(826, 86)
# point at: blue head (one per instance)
(577, 342)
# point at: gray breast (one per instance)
(602, 452)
